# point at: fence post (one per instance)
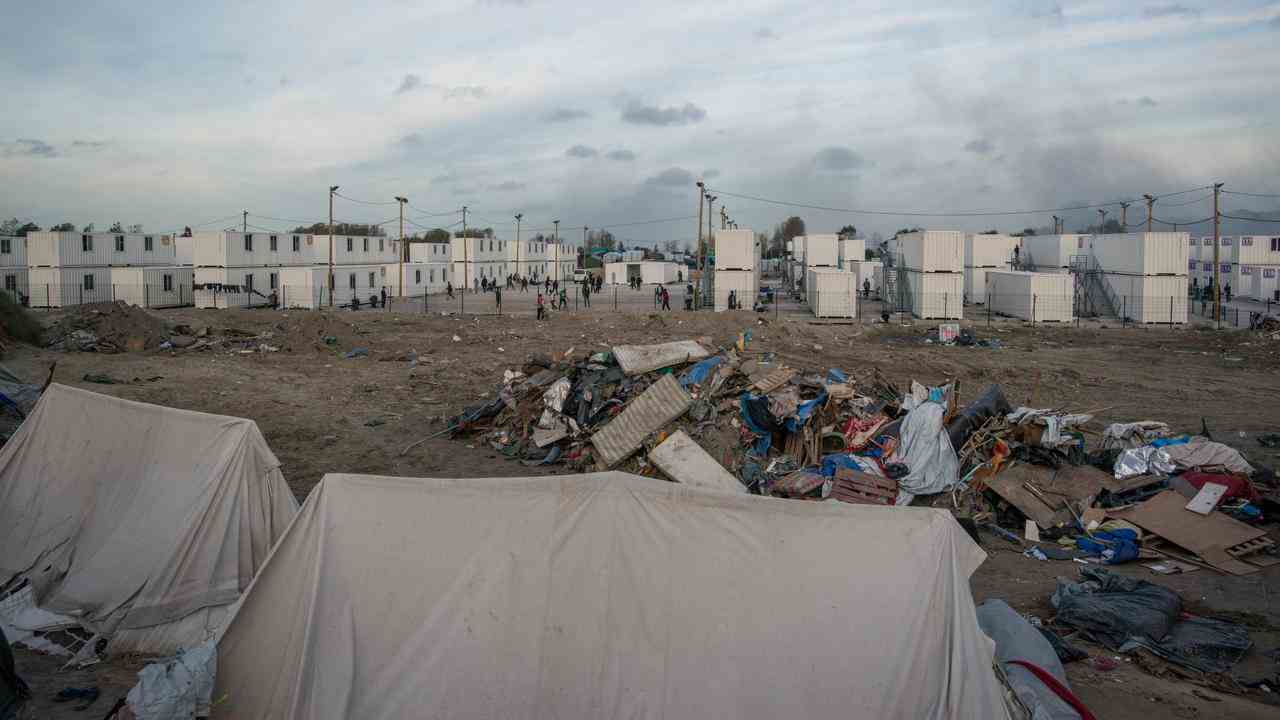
(82, 293)
(1124, 311)
(615, 298)
(146, 294)
(48, 302)
(1170, 309)
(113, 292)
(1033, 308)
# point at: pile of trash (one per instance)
(727, 418)
(107, 327)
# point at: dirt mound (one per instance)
(107, 327)
(314, 329)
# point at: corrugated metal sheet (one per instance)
(663, 402)
(636, 359)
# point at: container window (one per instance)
(6, 246)
(444, 275)
(11, 282)
(1246, 270)
(1226, 267)
(351, 279)
(417, 277)
(248, 242)
(119, 243)
(371, 280)
(248, 282)
(167, 282)
(272, 242)
(1268, 273)
(88, 282)
(147, 243)
(296, 243)
(350, 244)
(431, 276)
(366, 245)
(1275, 244)
(1226, 242)
(1192, 266)
(273, 280)
(86, 243)
(381, 245)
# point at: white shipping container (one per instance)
(1052, 253)
(932, 251)
(74, 249)
(184, 250)
(16, 282)
(852, 250)
(975, 284)
(63, 287)
(865, 270)
(1257, 250)
(1157, 253)
(1150, 298)
(822, 251)
(221, 287)
(655, 272)
(797, 248)
(741, 282)
(1038, 297)
(419, 279)
(424, 252)
(989, 251)
(832, 293)
(1266, 286)
(736, 249)
(306, 287)
(13, 251)
(153, 287)
(935, 295)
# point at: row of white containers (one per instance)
(933, 295)
(745, 284)
(737, 250)
(865, 271)
(1034, 296)
(831, 292)
(238, 249)
(155, 287)
(650, 272)
(79, 249)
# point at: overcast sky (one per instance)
(168, 113)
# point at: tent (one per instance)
(142, 522)
(606, 595)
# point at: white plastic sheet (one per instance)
(925, 448)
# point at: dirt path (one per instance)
(323, 413)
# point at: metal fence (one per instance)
(152, 295)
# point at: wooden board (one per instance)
(684, 461)
(1008, 485)
(861, 488)
(773, 380)
(1207, 499)
(1208, 536)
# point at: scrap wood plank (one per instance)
(773, 380)
(657, 406)
(1008, 484)
(1206, 536)
(638, 359)
(861, 488)
(684, 461)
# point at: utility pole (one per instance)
(332, 189)
(1055, 225)
(1217, 269)
(724, 217)
(701, 254)
(518, 216)
(245, 215)
(404, 246)
(466, 255)
(556, 238)
(1102, 220)
(1150, 201)
(1124, 216)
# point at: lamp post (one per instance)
(332, 189)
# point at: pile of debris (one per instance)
(107, 327)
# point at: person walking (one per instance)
(657, 295)
(586, 294)
(497, 299)
(866, 288)
(564, 298)
(1226, 288)
(384, 297)
(542, 310)
(448, 288)
(666, 299)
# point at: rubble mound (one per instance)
(319, 330)
(107, 327)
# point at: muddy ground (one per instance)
(323, 413)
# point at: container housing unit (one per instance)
(981, 253)
(307, 287)
(932, 251)
(240, 287)
(153, 287)
(831, 293)
(852, 250)
(822, 251)
(866, 270)
(934, 295)
(66, 286)
(1052, 253)
(658, 272)
(1149, 299)
(1155, 253)
(740, 282)
(1037, 297)
(99, 249)
(737, 250)
(1254, 255)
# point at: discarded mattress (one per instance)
(606, 595)
(639, 359)
(144, 522)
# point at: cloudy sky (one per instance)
(169, 113)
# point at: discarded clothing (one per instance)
(987, 405)
(1113, 547)
(849, 462)
(1238, 486)
(1056, 426)
(1203, 453)
(1200, 643)
(1131, 435)
(1143, 461)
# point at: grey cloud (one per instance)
(445, 178)
(508, 186)
(88, 144)
(671, 177)
(985, 188)
(284, 81)
(640, 114)
(410, 83)
(466, 92)
(1170, 10)
(981, 146)
(565, 115)
(765, 33)
(462, 191)
(710, 174)
(838, 159)
(1146, 101)
(1051, 11)
(30, 147)
(621, 155)
(1275, 22)
(413, 140)
(581, 151)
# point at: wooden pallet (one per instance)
(862, 488)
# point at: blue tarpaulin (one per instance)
(835, 461)
(836, 376)
(804, 410)
(698, 374)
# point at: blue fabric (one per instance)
(835, 461)
(1165, 442)
(804, 411)
(1122, 543)
(836, 376)
(700, 371)
(765, 438)
(936, 395)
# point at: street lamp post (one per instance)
(332, 189)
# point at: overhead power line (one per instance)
(1254, 220)
(365, 202)
(1259, 195)
(913, 213)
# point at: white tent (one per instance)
(142, 522)
(606, 595)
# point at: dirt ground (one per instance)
(323, 413)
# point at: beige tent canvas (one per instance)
(606, 595)
(143, 522)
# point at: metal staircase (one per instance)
(1094, 296)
